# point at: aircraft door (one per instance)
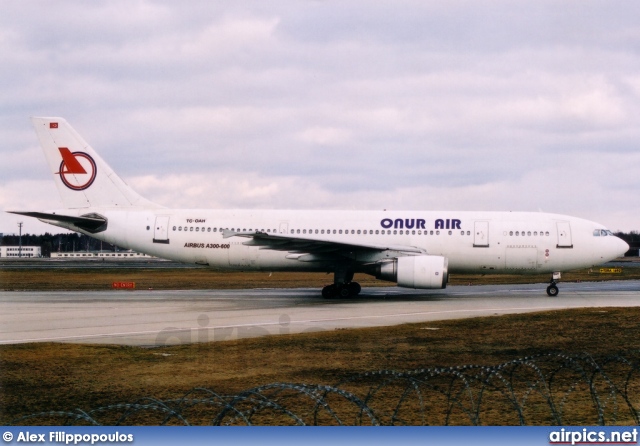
(161, 229)
(481, 234)
(284, 227)
(564, 234)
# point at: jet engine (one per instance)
(426, 272)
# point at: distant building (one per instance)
(106, 255)
(14, 251)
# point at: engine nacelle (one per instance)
(426, 272)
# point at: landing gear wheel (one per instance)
(552, 290)
(329, 292)
(344, 291)
(354, 288)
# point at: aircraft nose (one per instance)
(621, 247)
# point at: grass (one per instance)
(45, 377)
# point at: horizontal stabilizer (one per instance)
(91, 222)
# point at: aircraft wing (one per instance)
(310, 249)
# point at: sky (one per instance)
(419, 105)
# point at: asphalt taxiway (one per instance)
(155, 318)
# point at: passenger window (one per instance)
(547, 233)
(431, 232)
(316, 231)
(511, 233)
(529, 233)
(174, 228)
(191, 228)
(450, 233)
(340, 231)
(437, 232)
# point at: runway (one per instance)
(156, 318)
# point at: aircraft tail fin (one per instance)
(82, 177)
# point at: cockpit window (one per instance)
(601, 232)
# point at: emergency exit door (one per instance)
(161, 229)
(564, 235)
(481, 234)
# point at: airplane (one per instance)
(415, 249)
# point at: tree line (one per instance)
(633, 239)
(74, 242)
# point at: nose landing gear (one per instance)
(552, 289)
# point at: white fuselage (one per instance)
(473, 242)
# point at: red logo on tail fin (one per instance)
(77, 169)
(69, 162)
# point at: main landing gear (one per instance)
(343, 291)
(342, 287)
(552, 289)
